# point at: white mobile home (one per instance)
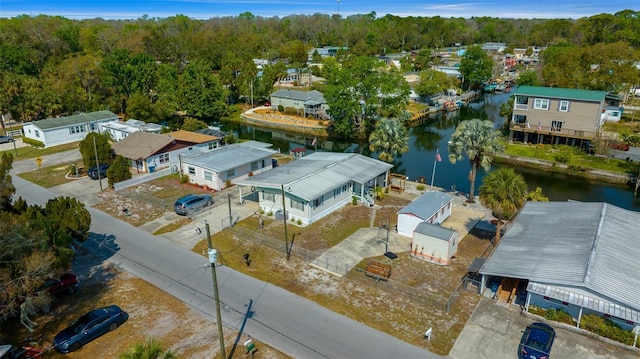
(432, 207)
(61, 130)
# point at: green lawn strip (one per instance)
(577, 161)
(48, 176)
(32, 152)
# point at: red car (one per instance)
(68, 283)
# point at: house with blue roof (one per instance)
(432, 207)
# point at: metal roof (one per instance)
(561, 93)
(592, 245)
(435, 231)
(426, 205)
(314, 175)
(56, 122)
(229, 157)
(313, 95)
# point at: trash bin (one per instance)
(152, 169)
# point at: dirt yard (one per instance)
(152, 314)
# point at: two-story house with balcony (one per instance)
(556, 115)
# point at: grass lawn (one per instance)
(48, 176)
(576, 160)
(32, 152)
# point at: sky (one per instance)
(205, 9)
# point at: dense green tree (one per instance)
(476, 140)
(120, 170)
(537, 196)
(476, 66)
(151, 349)
(90, 149)
(360, 91)
(6, 184)
(200, 94)
(504, 192)
(390, 138)
(192, 124)
(528, 78)
(432, 82)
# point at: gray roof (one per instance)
(592, 245)
(314, 175)
(426, 205)
(435, 231)
(314, 95)
(56, 122)
(229, 157)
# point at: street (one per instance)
(294, 325)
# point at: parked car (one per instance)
(93, 171)
(536, 341)
(68, 283)
(191, 203)
(89, 327)
(8, 351)
(5, 139)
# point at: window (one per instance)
(92, 127)
(37, 133)
(208, 176)
(268, 196)
(231, 173)
(297, 205)
(254, 166)
(564, 106)
(556, 126)
(541, 104)
(164, 158)
(318, 202)
(212, 146)
(191, 170)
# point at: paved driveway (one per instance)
(494, 332)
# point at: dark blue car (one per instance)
(536, 342)
(89, 327)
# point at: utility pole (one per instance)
(284, 220)
(95, 150)
(213, 259)
(230, 215)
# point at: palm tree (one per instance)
(390, 138)
(504, 192)
(477, 140)
(151, 349)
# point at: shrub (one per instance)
(564, 154)
(420, 187)
(606, 328)
(184, 179)
(280, 108)
(299, 222)
(227, 183)
(270, 214)
(354, 200)
(559, 315)
(33, 143)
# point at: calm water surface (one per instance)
(433, 134)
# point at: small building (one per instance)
(226, 165)
(311, 103)
(315, 185)
(60, 130)
(434, 243)
(149, 152)
(432, 207)
(581, 257)
(119, 130)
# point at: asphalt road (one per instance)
(294, 325)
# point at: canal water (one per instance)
(432, 135)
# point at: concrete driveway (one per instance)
(494, 332)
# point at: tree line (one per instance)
(155, 68)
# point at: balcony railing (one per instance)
(547, 130)
(522, 106)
